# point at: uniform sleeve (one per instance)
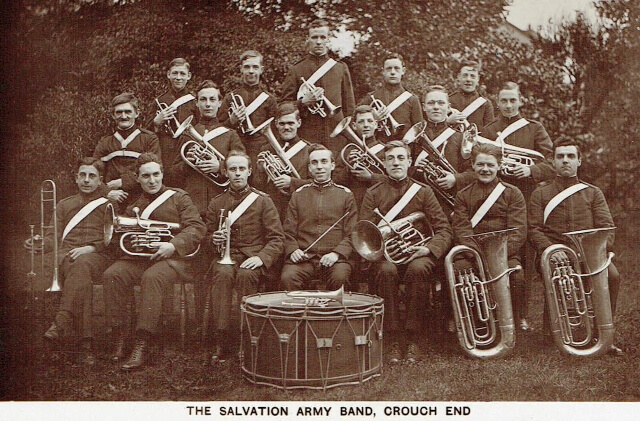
(452, 154)
(345, 248)
(442, 235)
(367, 206)
(290, 86)
(487, 116)
(235, 143)
(274, 233)
(416, 111)
(149, 123)
(543, 170)
(537, 238)
(516, 218)
(348, 99)
(193, 228)
(179, 168)
(223, 112)
(290, 226)
(212, 217)
(602, 216)
(62, 222)
(462, 221)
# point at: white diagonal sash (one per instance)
(560, 197)
(83, 213)
(218, 131)
(473, 107)
(488, 203)
(322, 70)
(123, 153)
(146, 213)
(292, 151)
(256, 103)
(401, 204)
(398, 101)
(182, 100)
(242, 207)
(125, 142)
(375, 149)
(511, 128)
(442, 138)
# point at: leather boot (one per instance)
(120, 350)
(138, 355)
(87, 357)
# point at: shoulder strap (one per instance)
(82, 213)
(182, 100)
(209, 136)
(293, 150)
(322, 70)
(125, 142)
(146, 213)
(256, 103)
(560, 197)
(242, 207)
(401, 204)
(398, 101)
(488, 203)
(375, 149)
(123, 153)
(473, 107)
(442, 138)
(511, 128)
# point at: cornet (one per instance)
(275, 166)
(196, 151)
(225, 249)
(246, 127)
(180, 127)
(357, 155)
(317, 107)
(388, 124)
(314, 298)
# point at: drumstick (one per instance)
(325, 233)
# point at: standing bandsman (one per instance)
(567, 204)
(313, 210)
(120, 150)
(259, 105)
(81, 254)
(297, 152)
(157, 273)
(331, 80)
(256, 241)
(396, 101)
(395, 198)
(466, 101)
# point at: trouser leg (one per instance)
(222, 294)
(296, 275)
(518, 291)
(614, 286)
(386, 278)
(338, 275)
(156, 283)
(417, 278)
(119, 280)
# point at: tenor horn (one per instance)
(180, 127)
(196, 151)
(314, 298)
(357, 155)
(577, 293)
(389, 124)
(318, 106)
(512, 156)
(275, 165)
(480, 296)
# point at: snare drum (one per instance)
(289, 345)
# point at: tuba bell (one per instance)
(577, 293)
(357, 155)
(480, 296)
(317, 107)
(198, 150)
(388, 124)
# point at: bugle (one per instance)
(577, 293)
(318, 106)
(357, 155)
(275, 165)
(246, 126)
(180, 127)
(388, 124)
(193, 152)
(314, 298)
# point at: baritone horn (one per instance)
(314, 298)
(357, 155)
(577, 293)
(318, 106)
(275, 165)
(180, 127)
(389, 124)
(480, 296)
(193, 152)
(246, 126)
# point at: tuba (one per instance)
(395, 240)
(180, 127)
(314, 298)
(435, 165)
(195, 151)
(246, 127)
(357, 155)
(318, 107)
(388, 124)
(577, 292)
(275, 165)
(480, 296)
(138, 237)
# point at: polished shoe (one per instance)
(395, 354)
(614, 350)
(524, 326)
(87, 357)
(55, 333)
(138, 356)
(414, 353)
(218, 356)
(120, 350)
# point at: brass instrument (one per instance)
(578, 303)
(435, 165)
(180, 127)
(246, 127)
(512, 156)
(317, 107)
(357, 155)
(195, 151)
(395, 240)
(225, 250)
(138, 237)
(275, 166)
(314, 298)
(480, 296)
(388, 124)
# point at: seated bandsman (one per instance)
(166, 263)
(255, 238)
(296, 150)
(320, 218)
(81, 254)
(466, 102)
(120, 150)
(567, 204)
(395, 198)
(256, 107)
(395, 101)
(489, 204)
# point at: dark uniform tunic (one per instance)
(257, 232)
(409, 113)
(155, 277)
(337, 88)
(312, 210)
(480, 117)
(384, 196)
(357, 186)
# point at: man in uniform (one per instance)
(567, 204)
(168, 261)
(395, 198)
(259, 105)
(313, 210)
(81, 254)
(466, 101)
(172, 108)
(331, 79)
(489, 204)
(401, 104)
(120, 150)
(256, 243)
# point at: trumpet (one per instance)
(317, 107)
(180, 127)
(314, 298)
(275, 165)
(246, 127)
(357, 155)
(388, 124)
(196, 151)
(225, 249)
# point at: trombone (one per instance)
(246, 127)
(317, 108)
(181, 127)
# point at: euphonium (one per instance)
(314, 298)
(395, 240)
(512, 156)
(357, 155)
(180, 127)
(317, 107)
(195, 151)
(435, 165)
(480, 296)
(246, 126)
(388, 124)
(275, 166)
(225, 250)
(578, 303)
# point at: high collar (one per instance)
(436, 126)
(398, 183)
(152, 197)
(252, 88)
(239, 193)
(286, 144)
(393, 89)
(565, 182)
(471, 94)
(87, 197)
(322, 185)
(178, 94)
(487, 186)
(125, 133)
(318, 59)
(209, 123)
(509, 120)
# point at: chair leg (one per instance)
(183, 315)
(206, 316)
